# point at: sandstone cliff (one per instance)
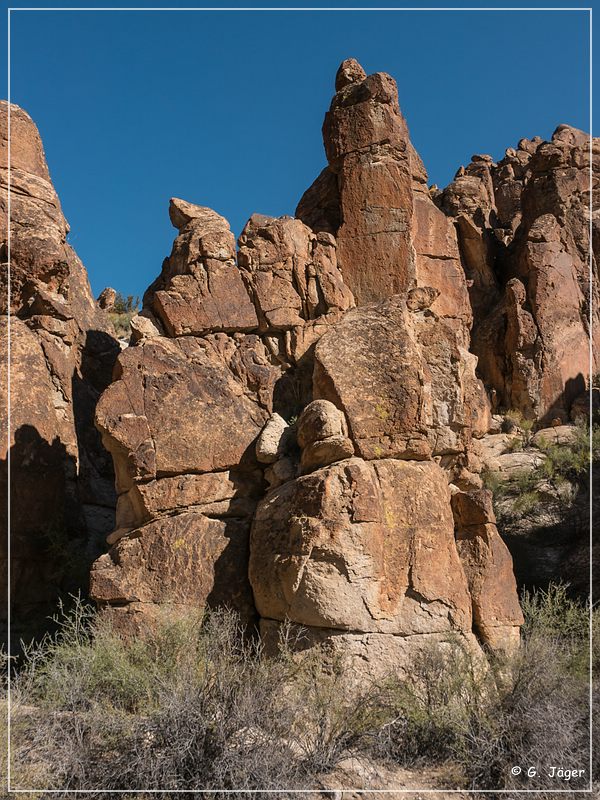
(62, 351)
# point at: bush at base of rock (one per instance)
(193, 704)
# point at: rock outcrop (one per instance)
(62, 351)
(300, 423)
(293, 421)
(225, 353)
(524, 231)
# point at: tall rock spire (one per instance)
(367, 146)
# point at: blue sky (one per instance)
(224, 109)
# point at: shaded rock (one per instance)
(283, 470)
(583, 402)
(270, 445)
(62, 352)
(190, 559)
(524, 233)
(106, 298)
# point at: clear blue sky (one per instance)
(225, 109)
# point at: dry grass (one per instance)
(196, 704)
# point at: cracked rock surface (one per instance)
(62, 352)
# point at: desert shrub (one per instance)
(530, 709)
(516, 419)
(126, 304)
(553, 614)
(550, 488)
(428, 711)
(194, 703)
(122, 312)
(191, 704)
(540, 717)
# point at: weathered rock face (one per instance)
(339, 549)
(298, 425)
(62, 352)
(489, 570)
(222, 350)
(407, 387)
(524, 233)
(288, 454)
(365, 196)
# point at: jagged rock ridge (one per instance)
(299, 425)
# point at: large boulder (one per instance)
(361, 546)
(406, 386)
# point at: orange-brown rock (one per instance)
(488, 566)
(339, 548)
(141, 415)
(62, 352)
(366, 143)
(189, 559)
(255, 394)
(220, 358)
(524, 230)
(291, 272)
(406, 386)
(200, 289)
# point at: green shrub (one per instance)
(550, 487)
(122, 312)
(194, 703)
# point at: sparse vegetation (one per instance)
(122, 312)
(552, 485)
(197, 704)
(515, 419)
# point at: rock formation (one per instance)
(292, 426)
(62, 351)
(299, 423)
(524, 232)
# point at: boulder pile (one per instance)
(292, 426)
